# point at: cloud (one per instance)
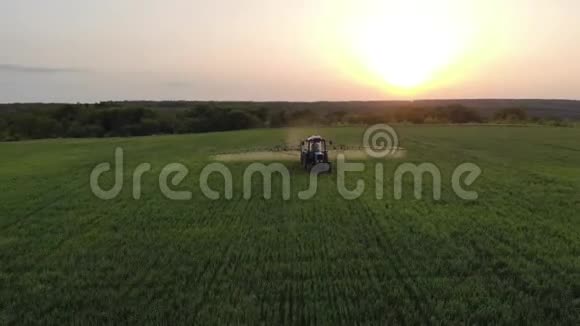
(37, 69)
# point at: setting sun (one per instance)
(405, 52)
(406, 46)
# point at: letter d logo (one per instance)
(105, 167)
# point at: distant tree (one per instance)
(261, 114)
(68, 112)
(369, 119)
(26, 121)
(238, 119)
(201, 110)
(76, 130)
(145, 127)
(335, 117)
(106, 105)
(185, 125)
(416, 115)
(456, 114)
(511, 114)
(279, 119)
(205, 117)
(3, 128)
(67, 115)
(150, 126)
(355, 119)
(116, 122)
(557, 122)
(29, 125)
(304, 118)
(168, 123)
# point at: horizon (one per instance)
(273, 51)
(299, 101)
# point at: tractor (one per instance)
(313, 152)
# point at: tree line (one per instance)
(108, 119)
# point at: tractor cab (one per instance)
(313, 152)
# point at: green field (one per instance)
(512, 256)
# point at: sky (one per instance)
(299, 50)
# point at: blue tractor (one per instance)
(314, 153)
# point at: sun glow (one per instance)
(405, 51)
(406, 46)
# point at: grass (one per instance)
(510, 257)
